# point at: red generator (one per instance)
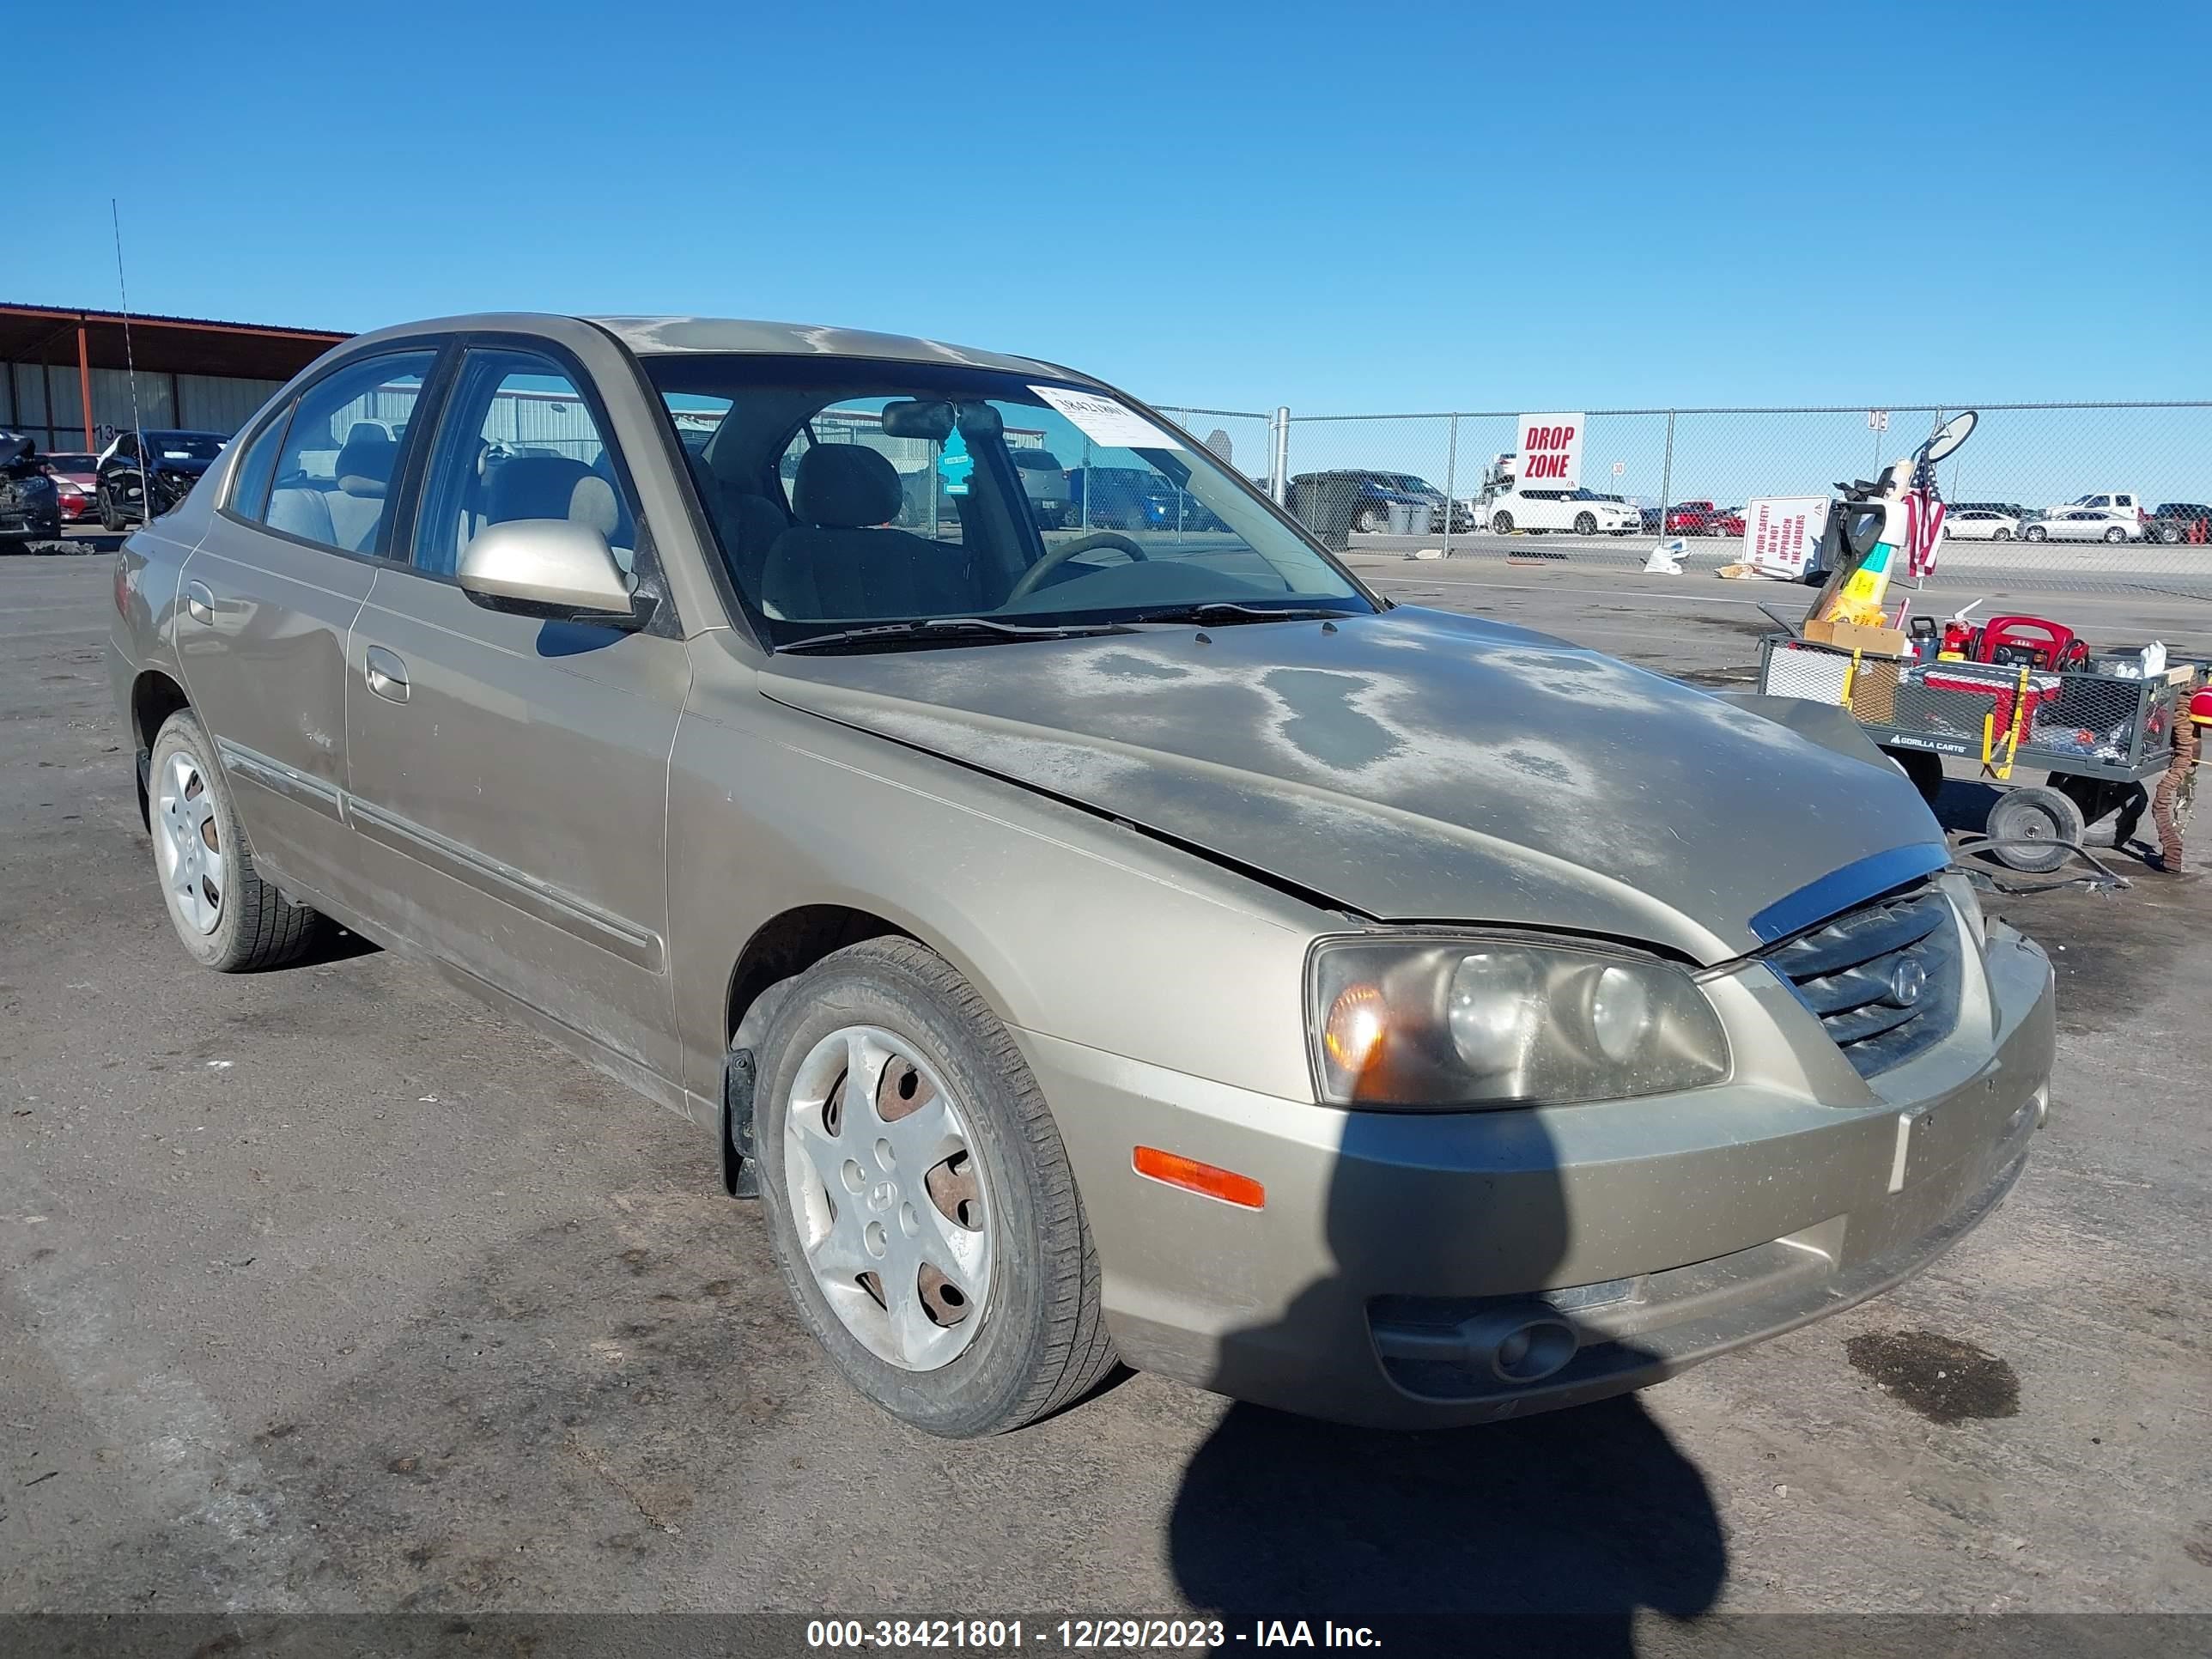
(2031, 642)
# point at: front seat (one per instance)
(828, 566)
(364, 478)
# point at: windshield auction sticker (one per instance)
(1105, 421)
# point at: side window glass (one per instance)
(336, 465)
(518, 440)
(249, 483)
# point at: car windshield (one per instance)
(847, 493)
(72, 462)
(184, 445)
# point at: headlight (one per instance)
(1968, 903)
(1453, 1023)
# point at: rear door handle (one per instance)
(199, 602)
(387, 674)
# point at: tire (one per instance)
(1367, 521)
(1923, 770)
(233, 922)
(1039, 1340)
(2036, 532)
(110, 519)
(2115, 536)
(1585, 524)
(1502, 524)
(2000, 535)
(2170, 534)
(2048, 823)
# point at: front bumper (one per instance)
(1663, 1230)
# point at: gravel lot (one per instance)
(326, 1290)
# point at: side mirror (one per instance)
(549, 567)
(1948, 436)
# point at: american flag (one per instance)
(1923, 522)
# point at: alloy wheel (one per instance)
(188, 842)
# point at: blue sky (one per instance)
(1366, 208)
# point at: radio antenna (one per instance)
(131, 372)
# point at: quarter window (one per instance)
(336, 466)
(249, 482)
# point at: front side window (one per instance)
(846, 493)
(337, 464)
(518, 440)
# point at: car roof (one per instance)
(655, 337)
(662, 336)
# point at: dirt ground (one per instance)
(325, 1290)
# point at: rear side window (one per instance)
(336, 465)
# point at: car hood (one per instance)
(1417, 766)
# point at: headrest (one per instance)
(364, 465)
(532, 487)
(593, 503)
(361, 429)
(845, 487)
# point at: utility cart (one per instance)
(2095, 730)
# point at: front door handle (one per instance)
(199, 602)
(387, 674)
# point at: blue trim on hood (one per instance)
(1839, 889)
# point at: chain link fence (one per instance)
(2085, 496)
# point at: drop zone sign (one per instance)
(1550, 451)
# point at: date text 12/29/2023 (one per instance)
(1080, 1635)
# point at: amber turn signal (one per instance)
(1191, 1176)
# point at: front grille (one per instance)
(1856, 972)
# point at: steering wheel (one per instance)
(1033, 578)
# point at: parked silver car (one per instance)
(1087, 944)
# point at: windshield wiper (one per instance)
(1222, 613)
(952, 627)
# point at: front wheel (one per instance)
(1585, 524)
(2001, 536)
(1503, 524)
(2170, 534)
(110, 519)
(225, 915)
(2036, 532)
(1367, 521)
(2115, 536)
(920, 1200)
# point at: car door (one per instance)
(270, 598)
(509, 774)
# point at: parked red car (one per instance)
(1690, 519)
(1727, 521)
(74, 479)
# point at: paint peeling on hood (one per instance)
(1412, 766)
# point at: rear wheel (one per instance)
(920, 1198)
(2115, 535)
(2036, 829)
(226, 915)
(1502, 524)
(1368, 520)
(2169, 533)
(1585, 524)
(2036, 532)
(2000, 535)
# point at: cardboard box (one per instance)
(1851, 636)
(1874, 691)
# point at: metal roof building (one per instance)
(63, 379)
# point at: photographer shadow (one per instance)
(1564, 1525)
